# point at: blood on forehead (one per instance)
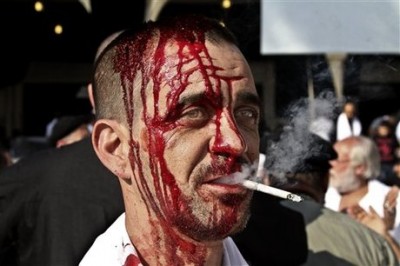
(168, 58)
(170, 65)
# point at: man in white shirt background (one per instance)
(348, 124)
(353, 182)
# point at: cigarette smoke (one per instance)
(286, 153)
(248, 172)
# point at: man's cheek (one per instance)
(253, 143)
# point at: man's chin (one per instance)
(235, 199)
(222, 230)
(230, 220)
(241, 224)
(239, 205)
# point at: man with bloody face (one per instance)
(177, 112)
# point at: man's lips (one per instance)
(219, 185)
(221, 179)
(223, 189)
(227, 182)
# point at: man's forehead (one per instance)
(181, 69)
(174, 46)
(343, 148)
(197, 62)
(213, 57)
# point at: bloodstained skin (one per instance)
(131, 59)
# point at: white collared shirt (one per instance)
(113, 247)
(344, 129)
(375, 198)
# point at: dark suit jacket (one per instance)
(54, 204)
(274, 235)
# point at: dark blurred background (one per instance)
(44, 74)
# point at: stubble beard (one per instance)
(348, 181)
(212, 221)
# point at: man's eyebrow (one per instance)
(243, 97)
(192, 98)
(248, 97)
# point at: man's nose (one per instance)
(228, 140)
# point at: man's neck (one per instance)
(352, 198)
(157, 245)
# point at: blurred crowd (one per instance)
(60, 131)
(57, 197)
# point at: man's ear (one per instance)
(360, 169)
(111, 143)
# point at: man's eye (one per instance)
(196, 113)
(195, 116)
(247, 117)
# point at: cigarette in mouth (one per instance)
(271, 190)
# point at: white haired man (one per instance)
(353, 184)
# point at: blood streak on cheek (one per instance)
(129, 62)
